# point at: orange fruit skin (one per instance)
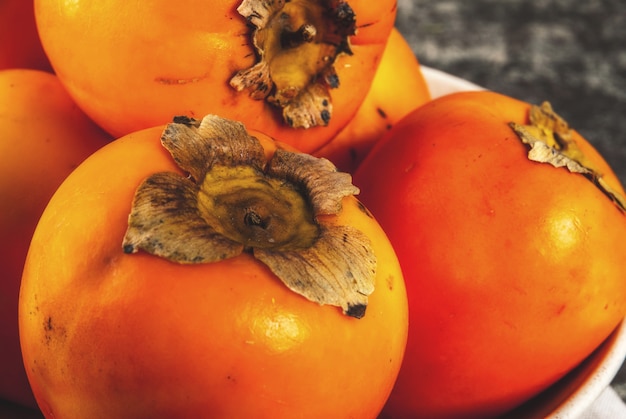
(514, 269)
(131, 66)
(44, 136)
(107, 334)
(20, 46)
(397, 88)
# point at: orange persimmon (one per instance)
(133, 65)
(126, 316)
(43, 137)
(514, 268)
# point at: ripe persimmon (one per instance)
(152, 287)
(514, 268)
(272, 65)
(398, 88)
(43, 137)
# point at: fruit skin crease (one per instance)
(253, 204)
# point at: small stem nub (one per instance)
(293, 39)
(252, 218)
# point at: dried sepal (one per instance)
(256, 80)
(258, 12)
(320, 276)
(542, 152)
(311, 107)
(236, 200)
(325, 186)
(297, 43)
(165, 222)
(195, 145)
(551, 141)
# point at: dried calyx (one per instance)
(297, 43)
(550, 139)
(236, 200)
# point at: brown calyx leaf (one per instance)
(195, 145)
(324, 185)
(165, 222)
(236, 200)
(551, 141)
(297, 43)
(320, 276)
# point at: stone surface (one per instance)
(570, 52)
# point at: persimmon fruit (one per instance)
(44, 136)
(119, 320)
(302, 63)
(514, 268)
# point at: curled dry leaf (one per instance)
(315, 174)
(235, 200)
(550, 139)
(297, 43)
(316, 273)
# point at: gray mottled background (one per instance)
(570, 52)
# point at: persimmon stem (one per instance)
(305, 33)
